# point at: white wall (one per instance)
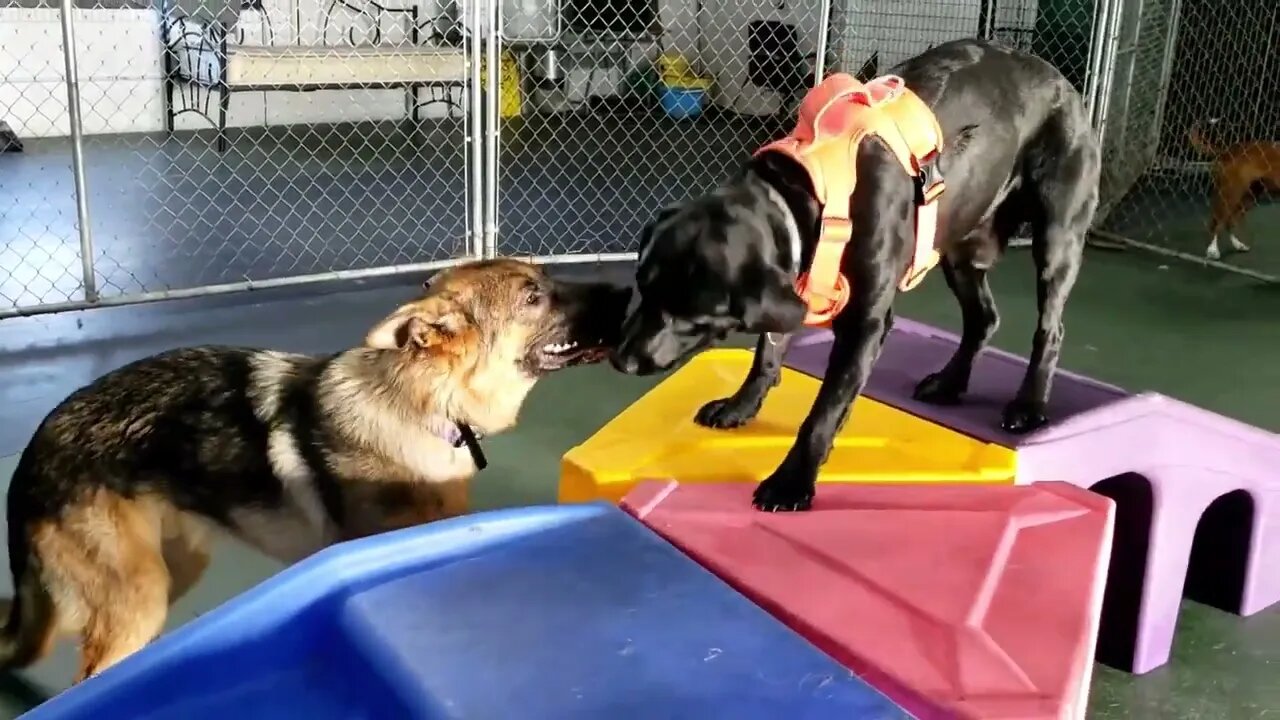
(725, 54)
(120, 64)
(120, 60)
(680, 22)
(119, 68)
(898, 33)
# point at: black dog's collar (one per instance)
(793, 238)
(458, 434)
(793, 230)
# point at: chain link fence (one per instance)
(39, 238)
(609, 111)
(231, 144)
(601, 126)
(228, 145)
(1192, 131)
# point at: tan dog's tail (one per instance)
(1202, 144)
(29, 624)
(26, 633)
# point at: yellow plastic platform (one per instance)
(657, 438)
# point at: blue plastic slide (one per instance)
(552, 613)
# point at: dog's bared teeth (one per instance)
(558, 347)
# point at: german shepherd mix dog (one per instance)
(111, 506)
(1018, 148)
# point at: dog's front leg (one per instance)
(857, 344)
(741, 407)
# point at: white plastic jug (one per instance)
(531, 20)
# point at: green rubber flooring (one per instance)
(1186, 331)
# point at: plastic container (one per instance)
(682, 92)
(510, 99)
(530, 20)
(682, 103)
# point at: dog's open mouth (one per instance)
(557, 355)
(585, 325)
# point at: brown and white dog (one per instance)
(1240, 172)
(113, 502)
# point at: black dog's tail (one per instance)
(1202, 144)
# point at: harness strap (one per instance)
(834, 118)
(820, 145)
(916, 138)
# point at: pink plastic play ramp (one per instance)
(1198, 497)
(956, 601)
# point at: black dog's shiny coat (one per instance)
(1019, 148)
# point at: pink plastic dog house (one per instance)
(1202, 472)
(956, 601)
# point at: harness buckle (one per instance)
(823, 305)
(929, 181)
(838, 230)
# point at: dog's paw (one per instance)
(724, 414)
(1022, 417)
(1238, 245)
(1212, 252)
(781, 492)
(938, 389)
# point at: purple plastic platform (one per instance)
(1201, 470)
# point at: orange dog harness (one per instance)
(834, 119)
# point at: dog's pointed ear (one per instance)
(778, 309)
(413, 326)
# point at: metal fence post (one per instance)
(1098, 50)
(477, 180)
(824, 40)
(492, 112)
(67, 19)
(1166, 66)
(1107, 70)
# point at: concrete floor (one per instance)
(1190, 332)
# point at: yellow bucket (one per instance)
(509, 97)
(675, 72)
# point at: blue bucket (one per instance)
(682, 103)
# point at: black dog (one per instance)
(1018, 148)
